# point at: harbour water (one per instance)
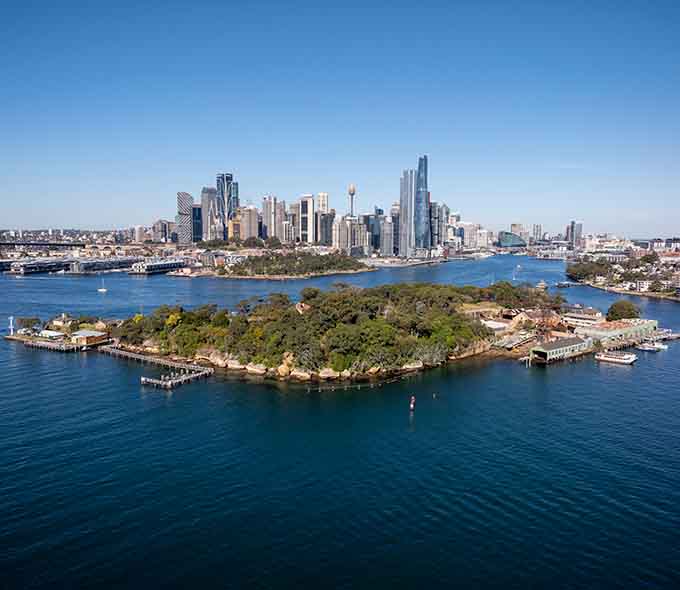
(561, 477)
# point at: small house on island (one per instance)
(559, 350)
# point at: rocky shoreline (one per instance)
(287, 371)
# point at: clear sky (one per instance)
(532, 112)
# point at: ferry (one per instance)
(652, 346)
(619, 358)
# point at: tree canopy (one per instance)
(622, 309)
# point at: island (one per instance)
(343, 333)
(352, 334)
(293, 265)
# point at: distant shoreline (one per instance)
(619, 291)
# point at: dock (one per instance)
(182, 372)
(54, 346)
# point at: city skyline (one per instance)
(533, 113)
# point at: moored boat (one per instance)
(619, 358)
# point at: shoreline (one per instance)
(651, 295)
(214, 275)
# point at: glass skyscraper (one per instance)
(406, 198)
(421, 208)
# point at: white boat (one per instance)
(102, 289)
(652, 347)
(619, 358)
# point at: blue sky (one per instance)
(533, 112)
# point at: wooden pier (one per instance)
(176, 379)
(46, 345)
(182, 372)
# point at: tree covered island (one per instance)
(346, 332)
(295, 265)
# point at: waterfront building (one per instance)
(322, 203)
(484, 239)
(559, 350)
(307, 221)
(196, 223)
(89, 337)
(620, 330)
(406, 206)
(510, 240)
(184, 219)
(421, 208)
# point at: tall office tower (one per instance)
(140, 234)
(537, 232)
(325, 227)
(307, 219)
(444, 213)
(406, 206)
(484, 238)
(280, 217)
(196, 223)
(269, 210)
(211, 213)
(386, 236)
(233, 202)
(516, 228)
(249, 222)
(184, 219)
(394, 214)
(435, 238)
(351, 191)
(160, 231)
(421, 209)
(577, 235)
(288, 232)
(224, 182)
(322, 203)
(341, 239)
(294, 219)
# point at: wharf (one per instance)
(176, 379)
(182, 373)
(45, 344)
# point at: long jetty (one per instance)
(182, 372)
(45, 344)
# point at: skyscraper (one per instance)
(184, 219)
(196, 223)
(386, 236)
(421, 209)
(269, 210)
(307, 219)
(406, 205)
(537, 232)
(396, 227)
(227, 199)
(322, 203)
(249, 216)
(212, 215)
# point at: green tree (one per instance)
(622, 309)
(656, 286)
(28, 322)
(274, 243)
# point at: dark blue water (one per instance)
(509, 477)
